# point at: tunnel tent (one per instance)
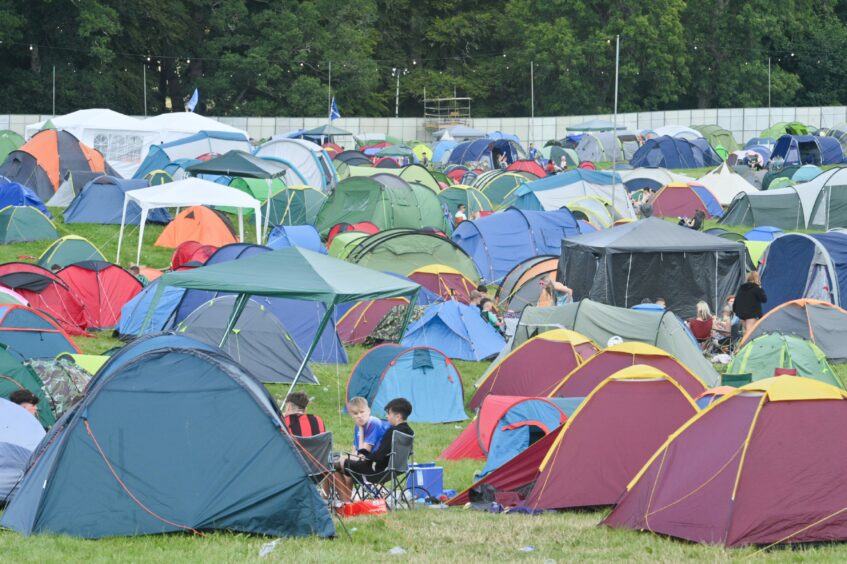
(521, 287)
(307, 162)
(808, 149)
(474, 200)
(557, 191)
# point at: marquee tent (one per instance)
(191, 146)
(178, 125)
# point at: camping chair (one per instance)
(317, 452)
(727, 342)
(737, 380)
(392, 483)
(702, 332)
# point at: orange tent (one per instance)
(198, 223)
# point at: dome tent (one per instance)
(20, 434)
(764, 354)
(101, 201)
(104, 289)
(68, 250)
(44, 290)
(455, 329)
(21, 224)
(33, 334)
(15, 375)
(14, 194)
(521, 286)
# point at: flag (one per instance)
(333, 110)
(192, 103)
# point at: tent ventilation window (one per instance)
(422, 360)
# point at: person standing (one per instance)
(533, 152)
(748, 301)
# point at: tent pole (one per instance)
(324, 321)
(148, 317)
(267, 211)
(241, 226)
(616, 142)
(237, 309)
(121, 233)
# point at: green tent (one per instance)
(411, 173)
(384, 200)
(781, 207)
(68, 250)
(239, 163)
(555, 153)
(404, 251)
(296, 205)
(19, 224)
(344, 243)
(293, 273)
(441, 178)
(475, 201)
(396, 151)
(9, 141)
(830, 209)
(718, 136)
(256, 187)
(761, 356)
(781, 128)
(14, 375)
(500, 186)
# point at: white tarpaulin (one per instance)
(725, 184)
(176, 125)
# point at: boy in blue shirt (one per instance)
(367, 436)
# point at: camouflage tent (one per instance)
(64, 382)
(388, 330)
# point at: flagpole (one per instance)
(615, 119)
(329, 97)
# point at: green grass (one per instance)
(428, 535)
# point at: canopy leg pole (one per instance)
(267, 212)
(121, 233)
(324, 321)
(241, 225)
(409, 309)
(141, 234)
(237, 309)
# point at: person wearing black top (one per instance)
(749, 300)
(397, 411)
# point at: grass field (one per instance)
(427, 535)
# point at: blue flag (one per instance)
(333, 110)
(192, 103)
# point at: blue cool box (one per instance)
(427, 479)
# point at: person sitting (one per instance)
(368, 432)
(397, 412)
(26, 400)
(486, 308)
(696, 222)
(550, 167)
(461, 214)
(298, 422)
(661, 302)
(135, 270)
(701, 325)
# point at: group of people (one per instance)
(740, 312)
(487, 309)
(372, 437)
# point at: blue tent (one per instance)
(797, 265)
(191, 147)
(304, 236)
(808, 149)
(709, 200)
(422, 375)
(498, 135)
(806, 173)
(208, 451)
(483, 149)
(300, 317)
(764, 233)
(33, 334)
(670, 152)
(498, 242)
(102, 201)
(527, 197)
(20, 434)
(134, 311)
(524, 423)
(14, 194)
(441, 149)
(455, 329)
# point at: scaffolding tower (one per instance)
(440, 113)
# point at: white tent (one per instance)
(725, 183)
(123, 140)
(662, 176)
(176, 125)
(185, 193)
(677, 132)
(308, 163)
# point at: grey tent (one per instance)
(652, 258)
(600, 322)
(258, 341)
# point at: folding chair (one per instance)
(392, 483)
(317, 452)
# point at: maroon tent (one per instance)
(359, 321)
(609, 438)
(764, 465)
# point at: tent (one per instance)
(594, 125)
(600, 322)
(122, 140)
(186, 193)
(195, 464)
(15, 375)
(259, 341)
(521, 286)
(807, 149)
(497, 185)
(177, 125)
(307, 162)
(725, 184)
(718, 136)
(685, 266)
(44, 290)
(351, 158)
(191, 254)
(822, 323)
(830, 208)
(20, 433)
(103, 288)
(423, 375)
(190, 145)
(386, 200)
(101, 200)
(33, 334)
(457, 330)
(560, 190)
(63, 382)
(443, 281)
(411, 173)
(292, 205)
(764, 354)
(198, 223)
(713, 480)
(404, 251)
(588, 375)
(296, 236)
(68, 250)
(813, 266)
(295, 274)
(301, 318)
(606, 146)
(14, 194)
(671, 152)
(42, 162)
(675, 131)
(356, 324)
(781, 128)
(473, 199)
(680, 199)
(610, 436)
(21, 224)
(764, 233)
(653, 178)
(533, 167)
(555, 153)
(134, 312)
(785, 208)
(360, 228)
(535, 366)
(485, 151)
(498, 242)
(9, 141)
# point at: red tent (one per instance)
(609, 437)
(536, 366)
(104, 288)
(47, 292)
(588, 376)
(359, 321)
(361, 227)
(680, 199)
(191, 254)
(764, 465)
(527, 165)
(444, 281)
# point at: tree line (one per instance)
(270, 57)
